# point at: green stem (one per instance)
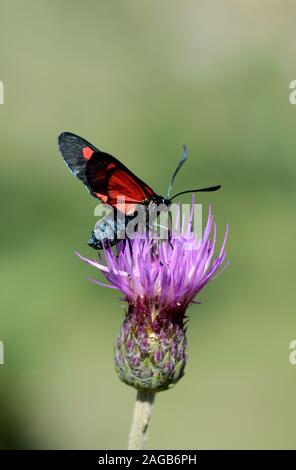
(142, 414)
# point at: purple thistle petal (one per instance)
(164, 273)
(109, 286)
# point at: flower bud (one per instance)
(150, 351)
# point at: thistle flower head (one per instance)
(159, 280)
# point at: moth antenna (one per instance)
(211, 188)
(181, 162)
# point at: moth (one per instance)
(110, 181)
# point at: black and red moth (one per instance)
(107, 179)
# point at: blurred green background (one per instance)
(139, 79)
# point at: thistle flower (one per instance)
(159, 279)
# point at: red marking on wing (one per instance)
(110, 166)
(103, 197)
(87, 152)
(121, 183)
(126, 208)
